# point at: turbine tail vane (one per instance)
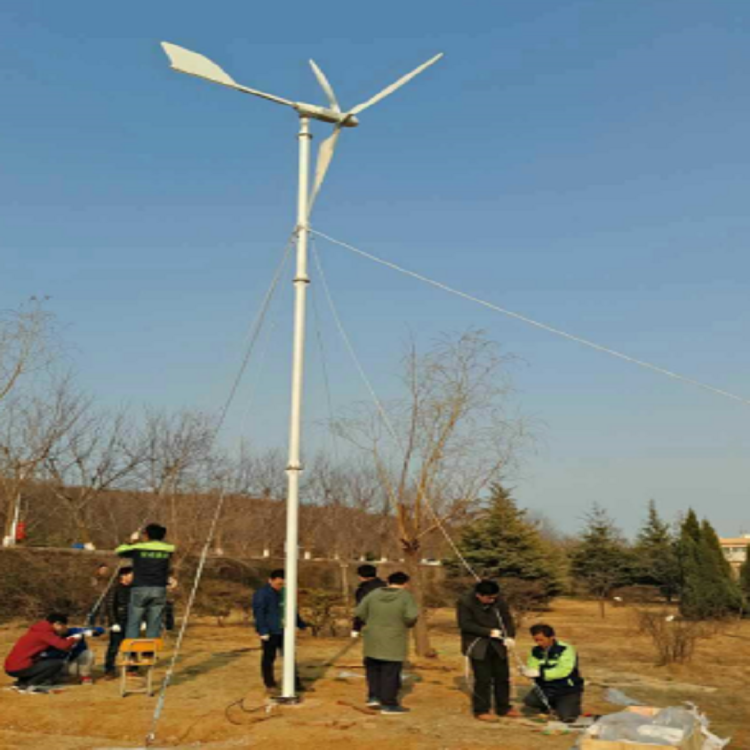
(394, 86)
(186, 61)
(197, 65)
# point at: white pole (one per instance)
(294, 466)
(10, 540)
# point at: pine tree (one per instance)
(745, 579)
(503, 543)
(708, 589)
(656, 558)
(602, 561)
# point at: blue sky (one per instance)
(583, 163)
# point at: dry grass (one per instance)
(218, 668)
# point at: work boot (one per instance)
(486, 717)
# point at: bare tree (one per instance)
(177, 459)
(100, 453)
(440, 447)
(26, 343)
(31, 428)
(259, 479)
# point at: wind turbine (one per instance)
(192, 63)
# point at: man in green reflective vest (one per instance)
(151, 558)
(553, 665)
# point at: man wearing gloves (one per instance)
(387, 614)
(268, 611)
(25, 661)
(487, 634)
(79, 660)
(553, 665)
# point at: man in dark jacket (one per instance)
(368, 581)
(117, 606)
(151, 561)
(487, 633)
(25, 662)
(553, 665)
(268, 611)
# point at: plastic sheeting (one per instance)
(667, 727)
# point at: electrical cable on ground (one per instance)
(252, 339)
(396, 438)
(535, 323)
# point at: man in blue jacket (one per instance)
(79, 660)
(268, 611)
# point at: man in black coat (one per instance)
(116, 609)
(487, 634)
(368, 581)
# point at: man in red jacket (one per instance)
(23, 661)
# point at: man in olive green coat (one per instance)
(387, 613)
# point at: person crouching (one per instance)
(25, 662)
(553, 665)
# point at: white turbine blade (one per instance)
(325, 156)
(326, 86)
(397, 85)
(197, 65)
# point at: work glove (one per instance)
(115, 629)
(530, 672)
(495, 634)
(265, 637)
(135, 536)
(355, 634)
(509, 642)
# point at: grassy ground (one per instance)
(221, 666)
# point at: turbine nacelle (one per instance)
(324, 114)
(185, 61)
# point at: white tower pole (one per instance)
(294, 466)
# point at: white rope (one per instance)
(353, 353)
(151, 736)
(263, 355)
(536, 323)
(438, 521)
(324, 369)
(254, 332)
(253, 337)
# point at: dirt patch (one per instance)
(217, 701)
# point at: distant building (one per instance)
(735, 550)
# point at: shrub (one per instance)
(318, 608)
(674, 639)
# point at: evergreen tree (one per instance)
(745, 579)
(602, 560)
(656, 557)
(708, 589)
(503, 543)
